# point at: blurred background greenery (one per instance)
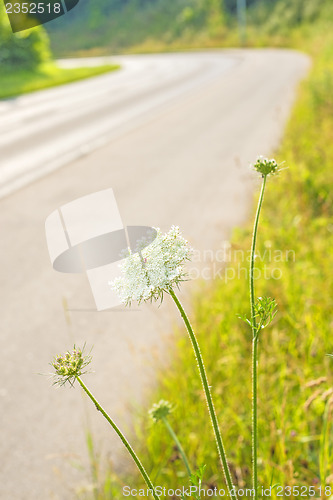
(104, 26)
(27, 64)
(26, 49)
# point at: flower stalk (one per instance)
(69, 368)
(164, 261)
(255, 333)
(264, 167)
(123, 439)
(212, 413)
(160, 412)
(178, 444)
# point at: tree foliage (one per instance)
(26, 49)
(119, 24)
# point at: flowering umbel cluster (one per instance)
(155, 270)
(160, 410)
(265, 166)
(69, 366)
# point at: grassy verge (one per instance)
(13, 83)
(296, 378)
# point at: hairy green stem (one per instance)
(255, 349)
(178, 444)
(123, 439)
(209, 399)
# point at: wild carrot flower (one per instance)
(265, 166)
(146, 276)
(262, 312)
(69, 366)
(155, 270)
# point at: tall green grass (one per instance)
(296, 378)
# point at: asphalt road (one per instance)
(173, 135)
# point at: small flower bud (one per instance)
(69, 366)
(266, 309)
(160, 410)
(265, 166)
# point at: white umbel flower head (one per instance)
(155, 270)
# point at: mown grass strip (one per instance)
(13, 83)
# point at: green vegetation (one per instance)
(26, 49)
(105, 26)
(46, 75)
(296, 376)
(25, 62)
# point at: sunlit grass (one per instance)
(13, 83)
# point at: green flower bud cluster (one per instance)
(160, 410)
(70, 366)
(265, 166)
(265, 309)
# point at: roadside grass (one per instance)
(13, 83)
(296, 376)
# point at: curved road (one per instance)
(173, 135)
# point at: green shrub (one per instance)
(26, 49)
